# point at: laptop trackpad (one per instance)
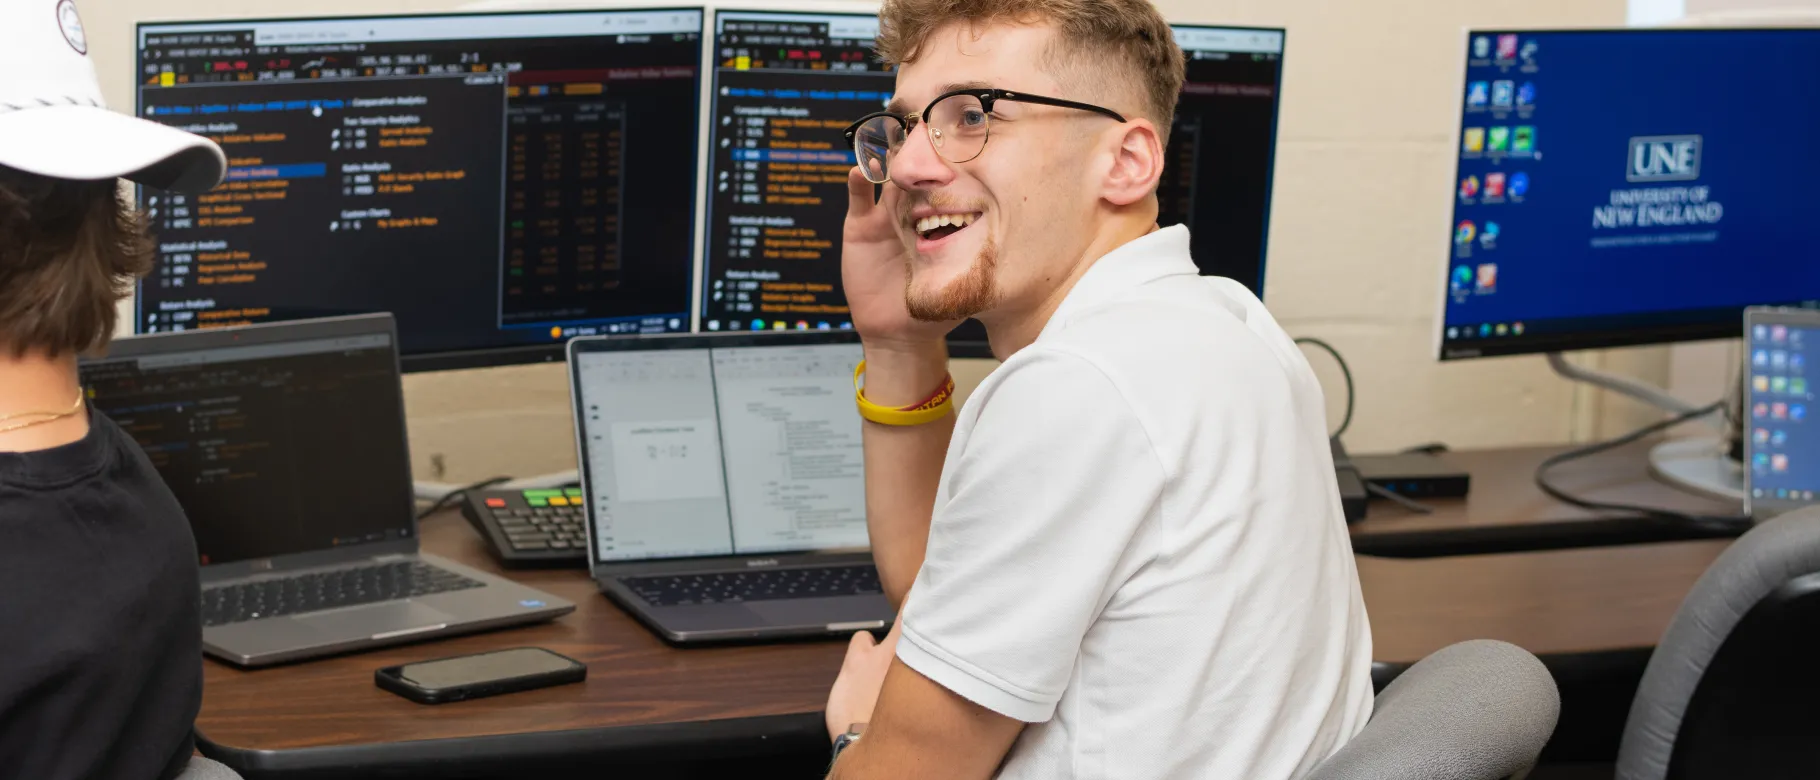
(394, 617)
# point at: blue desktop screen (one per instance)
(1628, 187)
(1783, 453)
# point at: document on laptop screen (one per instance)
(739, 450)
(795, 470)
(653, 449)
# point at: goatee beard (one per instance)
(974, 292)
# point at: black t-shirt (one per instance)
(100, 626)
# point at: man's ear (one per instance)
(1137, 163)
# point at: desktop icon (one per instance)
(1488, 237)
(1760, 410)
(802, 324)
(1782, 492)
(1478, 93)
(758, 324)
(1463, 234)
(1481, 47)
(1453, 333)
(1778, 334)
(1778, 411)
(1526, 94)
(713, 324)
(1759, 383)
(1462, 277)
(1472, 141)
(823, 326)
(1507, 47)
(1760, 436)
(1759, 332)
(1503, 93)
(1797, 412)
(735, 325)
(1797, 385)
(1529, 50)
(1523, 141)
(1488, 282)
(1778, 385)
(1517, 329)
(1469, 186)
(1779, 438)
(1778, 359)
(1778, 463)
(1519, 185)
(780, 325)
(1759, 358)
(1795, 361)
(1494, 185)
(1760, 460)
(1497, 139)
(1503, 330)
(1484, 330)
(555, 333)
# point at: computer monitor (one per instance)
(1619, 187)
(500, 182)
(785, 85)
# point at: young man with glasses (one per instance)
(1125, 557)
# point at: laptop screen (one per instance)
(721, 450)
(271, 448)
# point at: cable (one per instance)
(456, 495)
(1733, 523)
(1345, 371)
(1401, 500)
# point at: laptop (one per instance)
(725, 483)
(285, 445)
(1781, 391)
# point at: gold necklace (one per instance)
(47, 417)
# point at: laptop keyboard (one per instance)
(322, 590)
(762, 585)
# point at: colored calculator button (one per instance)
(496, 503)
(558, 501)
(572, 492)
(538, 501)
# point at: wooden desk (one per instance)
(1506, 512)
(644, 699)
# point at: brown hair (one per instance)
(69, 251)
(1129, 34)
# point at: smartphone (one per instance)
(480, 675)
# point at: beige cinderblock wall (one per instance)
(1358, 232)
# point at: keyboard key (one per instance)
(755, 586)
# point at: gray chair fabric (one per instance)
(1478, 710)
(1761, 561)
(205, 769)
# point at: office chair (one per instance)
(205, 769)
(1733, 689)
(1478, 710)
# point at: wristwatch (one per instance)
(846, 740)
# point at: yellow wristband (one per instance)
(928, 411)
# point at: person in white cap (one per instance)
(100, 653)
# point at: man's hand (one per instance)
(856, 690)
(873, 270)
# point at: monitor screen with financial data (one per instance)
(719, 445)
(500, 182)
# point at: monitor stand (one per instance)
(1700, 465)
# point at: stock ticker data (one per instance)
(496, 181)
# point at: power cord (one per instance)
(1399, 499)
(457, 495)
(1345, 371)
(1732, 523)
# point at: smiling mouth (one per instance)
(940, 226)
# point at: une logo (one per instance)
(1663, 158)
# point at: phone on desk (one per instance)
(480, 675)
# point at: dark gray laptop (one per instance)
(285, 444)
(725, 483)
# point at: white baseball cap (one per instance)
(54, 123)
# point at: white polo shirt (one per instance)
(1137, 545)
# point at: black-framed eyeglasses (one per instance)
(958, 123)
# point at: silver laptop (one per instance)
(725, 483)
(285, 445)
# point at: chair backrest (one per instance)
(204, 769)
(1478, 710)
(1733, 688)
